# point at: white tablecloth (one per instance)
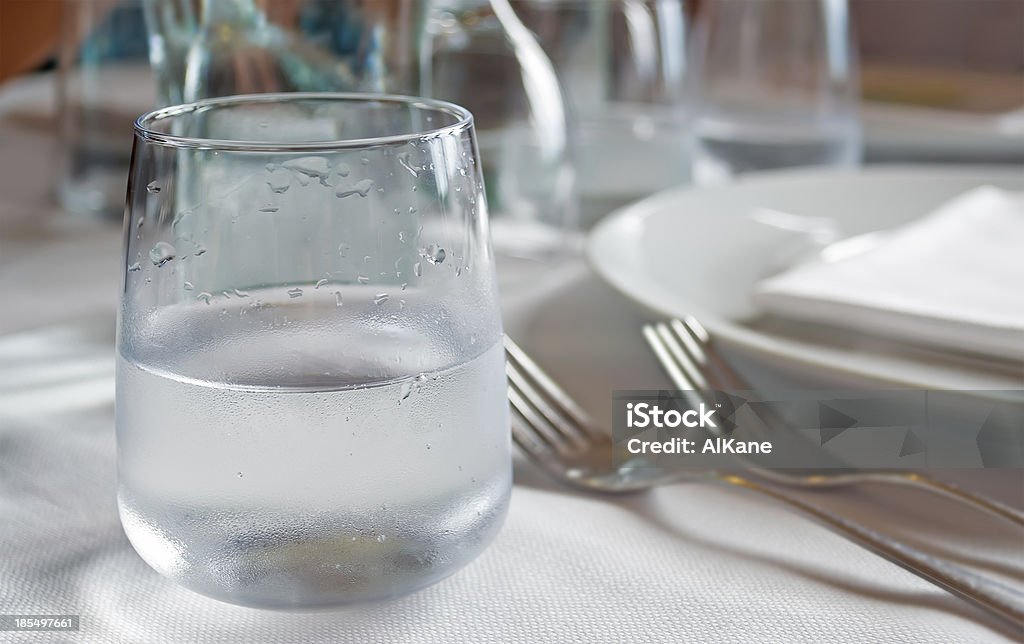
(689, 562)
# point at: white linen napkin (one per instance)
(953, 278)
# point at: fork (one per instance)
(554, 432)
(686, 352)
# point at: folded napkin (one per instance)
(954, 278)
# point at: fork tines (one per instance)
(545, 418)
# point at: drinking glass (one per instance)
(622, 64)
(103, 82)
(479, 54)
(208, 48)
(310, 378)
(775, 86)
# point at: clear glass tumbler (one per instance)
(104, 82)
(209, 48)
(310, 380)
(775, 84)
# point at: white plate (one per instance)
(697, 252)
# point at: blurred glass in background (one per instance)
(581, 107)
(216, 48)
(623, 67)
(479, 54)
(775, 86)
(171, 25)
(104, 82)
(208, 48)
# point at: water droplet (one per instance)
(433, 254)
(413, 385)
(381, 538)
(239, 293)
(200, 251)
(362, 279)
(380, 298)
(239, 475)
(412, 210)
(343, 249)
(226, 294)
(338, 300)
(153, 188)
(405, 285)
(458, 271)
(279, 182)
(343, 170)
(295, 292)
(401, 303)
(403, 160)
(162, 253)
(188, 286)
(417, 269)
(364, 161)
(132, 268)
(361, 188)
(319, 283)
(269, 209)
(316, 167)
(180, 217)
(428, 445)
(366, 259)
(205, 297)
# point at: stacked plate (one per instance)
(700, 252)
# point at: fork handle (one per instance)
(979, 501)
(992, 596)
(905, 478)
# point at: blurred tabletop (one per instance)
(687, 562)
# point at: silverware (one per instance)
(686, 352)
(555, 433)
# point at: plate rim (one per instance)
(734, 335)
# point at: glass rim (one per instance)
(144, 130)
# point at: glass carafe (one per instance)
(478, 53)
